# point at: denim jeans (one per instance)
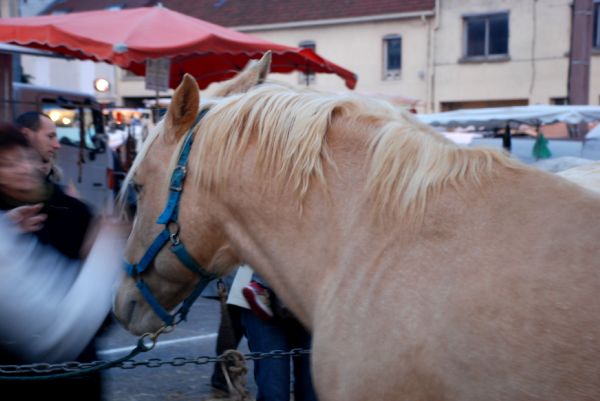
(273, 376)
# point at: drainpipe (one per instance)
(580, 54)
(430, 103)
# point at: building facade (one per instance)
(431, 54)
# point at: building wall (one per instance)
(33, 7)
(537, 69)
(9, 8)
(359, 48)
(433, 71)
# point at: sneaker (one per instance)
(259, 300)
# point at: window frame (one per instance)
(486, 56)
(390, 74)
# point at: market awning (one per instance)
(129, 37)
(535, 115)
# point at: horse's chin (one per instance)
(136, 317)
(148, 322)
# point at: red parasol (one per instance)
(129, 37)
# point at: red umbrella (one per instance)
(129, 37)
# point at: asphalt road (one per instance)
(191, 339)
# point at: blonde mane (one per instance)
(409, 159)
(410, 162)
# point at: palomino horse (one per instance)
(425, 271)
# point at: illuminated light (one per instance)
(66, 120)
(54, 116)
(101, 85)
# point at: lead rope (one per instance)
(235, 371)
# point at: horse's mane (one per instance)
(409, 160)
(288, 127)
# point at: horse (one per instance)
(424, 271)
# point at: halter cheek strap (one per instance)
(169, 218)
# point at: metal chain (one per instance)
(47, 371)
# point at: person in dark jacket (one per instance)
(50, 305)
(69, 222)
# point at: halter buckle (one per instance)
(174, 236)
(179, 174)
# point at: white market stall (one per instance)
(512, 117)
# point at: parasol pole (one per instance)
(156, 109)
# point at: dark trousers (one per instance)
(273, 376)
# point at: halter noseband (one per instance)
(169, 219)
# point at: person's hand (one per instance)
(27, 218)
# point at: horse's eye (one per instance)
(137, 187)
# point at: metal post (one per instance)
(506, 139)
(6, 87)
(156, 111)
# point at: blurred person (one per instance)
(21, 180)
(64, 223)
(51, 305)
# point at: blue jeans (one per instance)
(273, 375)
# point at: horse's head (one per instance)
(171, 252)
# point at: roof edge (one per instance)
(334, 21)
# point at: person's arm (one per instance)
(50, 308)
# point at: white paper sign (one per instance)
(242, 279)
(157, 74)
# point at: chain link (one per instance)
(47, 369)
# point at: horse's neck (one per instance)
(296, 246)
(284, 247)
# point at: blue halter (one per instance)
(169, 218)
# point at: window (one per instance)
(486, 36)
(68, 124)
(310, 78)
(559, 100)
(392, 57)
(596, 32)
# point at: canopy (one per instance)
(594, 133)
(499, 117)
(129, 37)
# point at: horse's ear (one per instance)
(253, 74)
(184, 107)
(264, 67)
